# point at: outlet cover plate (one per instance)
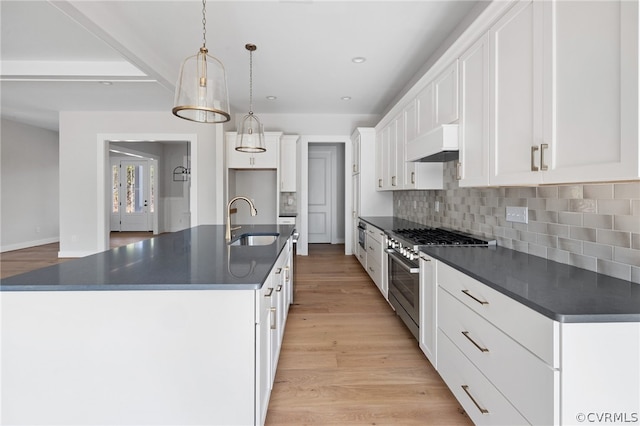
(517, 214)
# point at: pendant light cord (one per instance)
(204, 23)
(250, 82)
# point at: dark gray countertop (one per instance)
(561, 292)
(194, 259)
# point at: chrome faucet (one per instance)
(231, 201)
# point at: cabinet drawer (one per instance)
(524, 379)
(374, 233)
(361, 254)
(532, 330)
(480, 399)
(374, 269)
(374, 250)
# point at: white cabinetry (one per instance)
(428, 308)
(377, 259)
(245, 160)
(473, 139)
(564, 103)
(288, 163)
(479, 323)
(264, 366)
(369, 201)
(508, 364)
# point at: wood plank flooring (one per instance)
(24, 260)
(347, 358)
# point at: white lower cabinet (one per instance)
(508, 364)
(484, 404)
(428, 308)
(376, 264)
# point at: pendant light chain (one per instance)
(204, 23)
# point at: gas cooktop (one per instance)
(438, 237)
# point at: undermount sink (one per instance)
(254, 240)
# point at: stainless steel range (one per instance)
(403, 248)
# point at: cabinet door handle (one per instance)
(272, 311)
(354, 167)
(465, 388)
(480, 348)
(482, 302)
(279, 288)
(393, 181)
(278, 271)
(413, 177)
(458, 169)
(286, 273)
(543, 147)
(269, 293)
(371, 269)
(379, 183)
(534, 168)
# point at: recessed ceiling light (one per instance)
(358, 59)
(106, 83)
(272, 98)
(346, 98)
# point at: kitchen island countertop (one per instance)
(197, 258)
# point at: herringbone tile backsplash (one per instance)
(591, 226)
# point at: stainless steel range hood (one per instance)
(438, 146)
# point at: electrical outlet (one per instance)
(437, 206)
(518, 214)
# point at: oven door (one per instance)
(404, 290)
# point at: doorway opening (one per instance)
(326, 193)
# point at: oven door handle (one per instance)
(402, 263)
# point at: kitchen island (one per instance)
(182, 328)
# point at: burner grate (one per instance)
(439, 237)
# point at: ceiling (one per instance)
(58, 55)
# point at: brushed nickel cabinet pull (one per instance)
(413, 177)
(458, 168)
(480, 348)
(379, 183)
(543, 147)
(465, 388)
(273, 318)
(287, 274)
(534, 168)
(279, 288)
(482, 302)
(354, 167)
(393, 181)
(269, 293)
(278, 271)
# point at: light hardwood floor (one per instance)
(19, 261)
(346, 358)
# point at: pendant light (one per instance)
(251, 135)
(201, 91)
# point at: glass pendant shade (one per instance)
(201, 90)
(251, 135)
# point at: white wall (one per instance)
(29, 211)
(83, 157)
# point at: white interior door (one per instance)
(135, 196)
(321, 160)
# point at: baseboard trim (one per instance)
(28, 244)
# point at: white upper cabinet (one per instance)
(445, 92)
(590, 78)
(473, 139)
(245, 160)
(288, 163)
(564, 104)
(515, 47)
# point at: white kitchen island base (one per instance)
(128, 357)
